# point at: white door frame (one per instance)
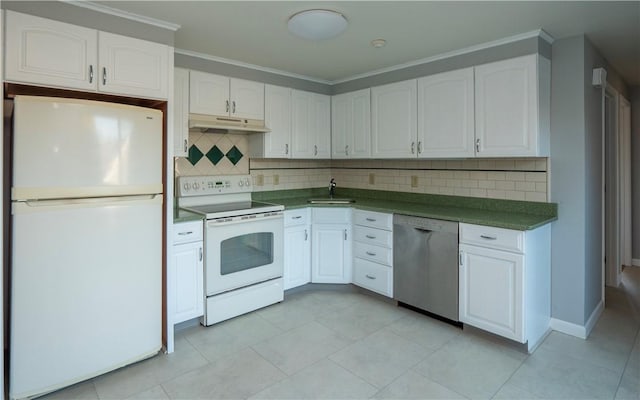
(624, 133)
(611, 187)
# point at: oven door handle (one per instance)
(214, 223)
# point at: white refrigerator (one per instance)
(86, 262)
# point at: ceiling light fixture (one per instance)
(377, 43)
(317, 24)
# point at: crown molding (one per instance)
(250, 66)
(510, 39)
(123, 14)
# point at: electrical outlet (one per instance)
(372, 179)
(260, 180)
(276, 179)
(414, 181)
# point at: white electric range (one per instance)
(243, 244)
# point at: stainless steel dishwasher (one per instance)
(425, 264)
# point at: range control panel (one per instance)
(207, 184)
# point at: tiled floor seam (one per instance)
(510, 376)
(626, 365)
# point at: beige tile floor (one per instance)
(340, 343)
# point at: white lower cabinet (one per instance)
(373, 251)
(506, 292)
(187, 264)
(297, 248)
(331, 251)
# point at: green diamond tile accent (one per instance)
(234, 155)
(215, 155)
(194, 155)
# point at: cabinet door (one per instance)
(506, 107)
(394, 120)
(331, 254)
(491, 295)
(133, 67)
(277, 117)
(301, 121)
(297, 256)
(188, 281)
(50, 53)
(321, 126)
(181, 112)
(247, 99)
(351, 125)
(208, 94)
(445, 115)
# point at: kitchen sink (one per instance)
(331, 201)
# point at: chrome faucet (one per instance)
(332, 188)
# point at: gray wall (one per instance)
(593, 179)
(91, 19)
(634, 98)
(567, 180)
(509, 50)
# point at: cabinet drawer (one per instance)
(496, 238)
(186, 232)
(378, 237)
(373, 219)
(378, 254)
(334, 215)
(372, 276)
(296, 217)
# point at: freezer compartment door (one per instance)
(85, 291)
(66, 148)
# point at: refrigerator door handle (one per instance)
(21, 207)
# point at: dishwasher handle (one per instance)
(425, 230)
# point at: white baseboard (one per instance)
(635, 262)
(578, 330)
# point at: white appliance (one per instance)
(243, 245)
(86, 273)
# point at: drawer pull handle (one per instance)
(488, 237)
(297, 217)
(369, 253)
(371, 219)
(185, 233)
(370, 237)
(370, 277)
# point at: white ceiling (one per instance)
(256, 32)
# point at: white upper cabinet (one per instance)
(311, 125)
(394, 120)
(132, 66)
(512, 107)
(351, 125)
(181, 112)
(212, 94)
(51, 53)
(446, 115)
(277, 117)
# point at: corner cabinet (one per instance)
(56, 54)
(181, 112)
(297, 248)
(394, 120)
(505, 281)
(351, 125)
(277, 117)
(512, 102)
(188, 270)
(311, 125)
(331, 252)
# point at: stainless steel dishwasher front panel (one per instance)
(425, 264)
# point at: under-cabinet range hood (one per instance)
(226, 124)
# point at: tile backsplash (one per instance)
(226, 154)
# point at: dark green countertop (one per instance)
(510, 214)
(180, 215)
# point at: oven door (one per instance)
(240, 252)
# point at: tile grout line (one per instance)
(635, 339)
